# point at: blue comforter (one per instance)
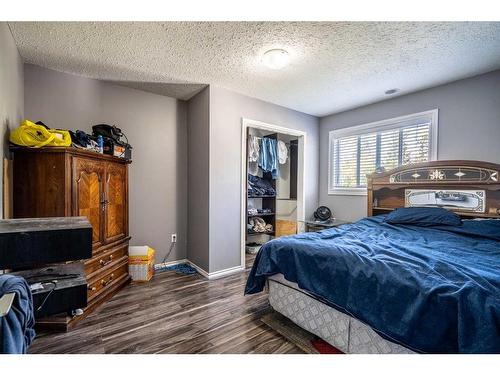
(17, 327)
(431, 289)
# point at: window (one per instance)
(357, 151)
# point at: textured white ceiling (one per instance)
(334, 65)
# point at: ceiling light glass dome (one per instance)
(276, 58)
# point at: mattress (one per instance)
(338, 329)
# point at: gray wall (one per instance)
(155, 126)
(11, 92)
(198, 125)
(469, 128)
(226, 111)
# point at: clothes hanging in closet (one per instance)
(268, 158)
(253, 148)
(282, 152)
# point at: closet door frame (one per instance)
(302, 137)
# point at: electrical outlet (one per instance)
(174, 237)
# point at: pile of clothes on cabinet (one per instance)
(105, 139)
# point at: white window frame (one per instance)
(392, 123)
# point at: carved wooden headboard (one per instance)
(469, 188)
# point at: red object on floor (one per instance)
(324, 348)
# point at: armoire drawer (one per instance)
(99, 284)
(104, 260)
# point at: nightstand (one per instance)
(314, 226)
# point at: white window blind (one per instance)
(358, 151)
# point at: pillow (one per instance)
(423, 216)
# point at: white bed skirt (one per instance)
(338, 329)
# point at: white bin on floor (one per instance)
(141, 261)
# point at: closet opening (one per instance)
(272, 185)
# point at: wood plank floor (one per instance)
(174, 314)
(249, 258)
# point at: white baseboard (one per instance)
(200, 270)
(226, 272)
(216, 274)
(168, 264)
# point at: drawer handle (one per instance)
(92, 289)
(103, 263)
(104, 283)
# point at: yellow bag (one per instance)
(29, 134)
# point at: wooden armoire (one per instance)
(50, 182)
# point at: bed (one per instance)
(376, 287)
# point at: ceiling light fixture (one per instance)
(391, 91)
(276, 58)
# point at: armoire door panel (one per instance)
(88, 191)
(115, 226)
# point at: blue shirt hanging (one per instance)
(268, 158)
